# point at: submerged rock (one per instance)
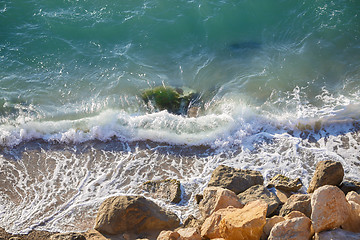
(133, 214)
(236, 180)
(174, 100)
(169, 189)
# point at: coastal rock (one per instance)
(297, 202)
(132, 214)
(353, 222)
(293, 229)
(270, 223)
(326, 173)
(236, 180)
(168, 235)
(294, 214)
(198, 198)
(337, 234)
(353, 196)
(330, 208)
(284, 183)
(349, 185)
(260, 192)
(246, 223)
(189, 234)
(168, 189)
(68, 236)
(210, 227)
(216, 198)
(283, 195)
(94, 235)
(191, 221)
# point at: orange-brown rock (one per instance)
(353, 196)
(136, 214)
(330, 208)
(210, 227)
(293, 229)
(246, 223)
(215, 198)
(270, 223)
(326, 173)
(294, 214)
(297, 202)
(189, 234)
(168, 235)
(353, 222)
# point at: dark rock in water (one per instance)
(297, 202)
(168, 189)
(326, 173)
(245, 45)
(176, 101)
(260, 192)
(348, 186)
(236, 180)
(198, 198)
(285, 184)
(133, 214)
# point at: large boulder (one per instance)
(236, 180)
(284, 183)
(326, 173)
(337, 234)
(297, 202)
(330, 208)
(353, 222)
(260, 192)
(210, 228)
(298, 228)
(136, 214)
(169, 189)
(246, 223)
(215, 198)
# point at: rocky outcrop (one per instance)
(284, 183)
(326, 173)
(337, 234)
(330, 208)
(298, 228)
(297, 202)
(215, 198)
(132, 214)
(236, 180)
(167, 189)
(260, 192)
(246, 223)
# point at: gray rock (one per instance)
(285, 184)
(337, 234)
(297, 202)
(133, 214)
(326, 173)
(168, 189)
(260, 192)
(236, 180)
(349, 185)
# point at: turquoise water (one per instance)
(279, 85)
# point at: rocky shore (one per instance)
(235, 205)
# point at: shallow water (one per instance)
(278, 83)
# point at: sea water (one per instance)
(279, 87)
